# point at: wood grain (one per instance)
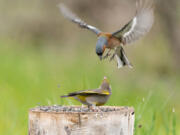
(112, 121)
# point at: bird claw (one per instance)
(112, 57)
(106, 56)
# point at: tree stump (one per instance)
(77, 120)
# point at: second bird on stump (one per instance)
(93, 97)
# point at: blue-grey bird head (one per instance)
(101, 45)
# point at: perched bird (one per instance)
(94, 97)
(132, 31)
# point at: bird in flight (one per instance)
(93, 97)
(137, 27)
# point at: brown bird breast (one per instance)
(113, 42)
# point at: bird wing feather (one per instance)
(139, 25)
(90, 92)
(74, 18)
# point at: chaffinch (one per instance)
(138, 26)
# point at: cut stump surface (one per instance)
(77, 120)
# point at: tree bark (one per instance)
(74, 120)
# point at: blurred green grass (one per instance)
(32, 75)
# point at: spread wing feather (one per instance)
(72, 17)
(139, 25)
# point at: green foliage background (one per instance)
(31, 76)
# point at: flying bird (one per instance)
(93, 97)
(137, 27)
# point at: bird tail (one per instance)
(69, 95)
(64, 96)
(122, 59)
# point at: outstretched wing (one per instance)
(139, 25)
(72, 17)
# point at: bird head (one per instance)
(101, 46)
(105, 84)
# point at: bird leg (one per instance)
(112, 57)
(89, 107)
(107, 54)
(93, 108)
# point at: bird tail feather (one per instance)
(69, 95)
(64, 96)
(122, 59)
